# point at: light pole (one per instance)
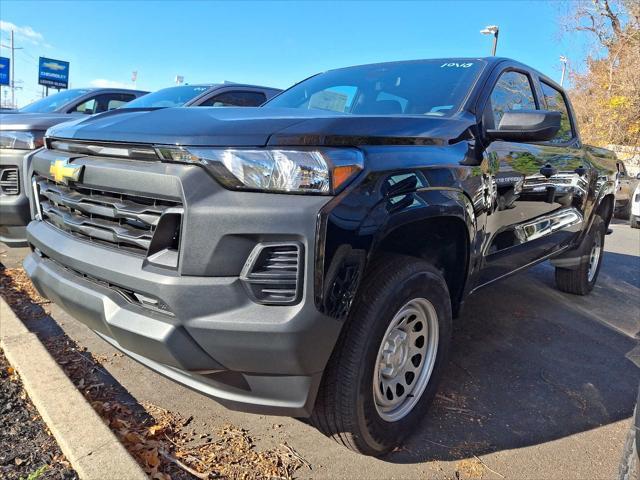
(492, 30)
(563, 60)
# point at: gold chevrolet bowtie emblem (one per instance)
(63, 172)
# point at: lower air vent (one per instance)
(272, 273)
(9, 181)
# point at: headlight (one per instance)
(320, 171)
(21, 139)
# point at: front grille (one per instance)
(273, 273)
(9, 181)
(118, 220)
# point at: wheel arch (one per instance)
(443, 241)
(433, 224)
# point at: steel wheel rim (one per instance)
(594, 258)
(405, 359)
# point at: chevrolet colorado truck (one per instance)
(22, 131)
(307, 257)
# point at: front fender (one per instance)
(353, 225)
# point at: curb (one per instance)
(93, 450)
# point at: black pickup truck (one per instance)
(307, 257)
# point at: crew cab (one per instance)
(307, 257)
(22, 131)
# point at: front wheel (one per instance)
(384, 371)
(635, 221)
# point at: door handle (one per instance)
(548, 170)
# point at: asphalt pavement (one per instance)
(538, 385)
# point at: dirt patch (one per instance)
(161, 441)
(27, 449)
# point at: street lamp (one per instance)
(492, 30)
(563, 60)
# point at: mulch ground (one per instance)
(27, 449)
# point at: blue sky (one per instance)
(269, 43)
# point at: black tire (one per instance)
(635, 223)
(629, 469)
(345, 407)
(578, 281)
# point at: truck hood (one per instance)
(258, 127)
(33, 121)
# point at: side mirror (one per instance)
(527, 126)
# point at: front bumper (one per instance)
(217, 340)
(14, 208)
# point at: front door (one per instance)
(539, 188)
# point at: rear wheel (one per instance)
(582, 279)
(385, 368)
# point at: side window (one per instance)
(117, 100)
(512, 92)
(621, 169)
(555, 101)
(235, 99)
(88, 107)
(104, 102)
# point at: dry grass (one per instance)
(158, 439)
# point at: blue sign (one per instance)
(53, 73)
(5, 69)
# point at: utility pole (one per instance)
(563, 60)
(12, 82)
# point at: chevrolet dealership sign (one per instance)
(53, 73)
(5, 71)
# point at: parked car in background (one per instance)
(626, 185)
(307, 257)
(22, 131)
(207, 95)
(635, 207)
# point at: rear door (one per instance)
(536, 194)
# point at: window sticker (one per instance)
(328, 100)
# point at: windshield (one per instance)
(54, 102)
(168, 97)
(425, 87)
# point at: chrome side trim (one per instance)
(548, 224)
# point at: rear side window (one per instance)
(512, 92)
(555, 101)
(235, 99)
(104, 102)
